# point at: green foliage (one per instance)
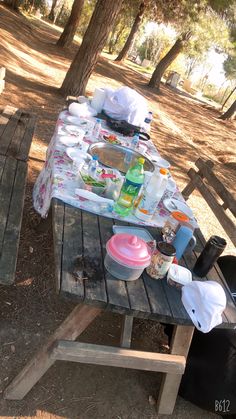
(86, 14)
(122, 26)
(154, 44)
(230, 67)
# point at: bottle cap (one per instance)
(164, 171)
(141, 160)
(180, 216)
(98, 120)
(95, 157)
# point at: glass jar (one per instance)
(172, 224)
(161, 260)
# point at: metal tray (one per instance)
(118, 157)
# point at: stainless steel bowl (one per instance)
(118, 157)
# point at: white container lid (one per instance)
(179, 274)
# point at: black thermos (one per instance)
(212, 250)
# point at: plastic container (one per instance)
(172, 224)
(152, 195)
(135, 141)
(92, 167)
(97, 129)
(148, 118)
(182, 239)
(127, 256)
(161, 261)
(130, 189)
(178, 276)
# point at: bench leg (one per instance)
(180, 345)
(126, 331)
(78, 320)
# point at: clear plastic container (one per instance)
(178, 276)
(127, 256)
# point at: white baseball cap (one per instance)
(205, 302)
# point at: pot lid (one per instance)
(129, 250)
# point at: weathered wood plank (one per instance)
(5, 116)
(223, 218)
(70, 329)
(30, 125)
(72, 276)
(16, 132)
(116, 290)
(138, 298)
(126, 331)
(58, 214)
(180, 344)
(222, 192)
(6, 186)
(9, 131)
(160, 309)
(95, 286)
(118, 357)
(12, 220)
(189, 188)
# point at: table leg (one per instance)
(77, 321)
(180, 345)
(126, 331)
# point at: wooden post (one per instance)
(78, 320)
(126, 331)
(180, 345)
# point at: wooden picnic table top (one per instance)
(80, 247)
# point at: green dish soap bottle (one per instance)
(133, 181)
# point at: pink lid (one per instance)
(129, 250)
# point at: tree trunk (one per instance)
(60, 14)
(165, 62)
(230, 112)
(51, 15)
(226, 100)
(93, 42)
(68, 34)
(130, 40)
(14, 4)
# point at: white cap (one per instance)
(204, 301)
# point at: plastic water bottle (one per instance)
(97, 128)
(147, 122)
(152, 195)
(92, 167)
(148, 118)
(135, 141)
(133, 181)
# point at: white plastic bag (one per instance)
(126, 104)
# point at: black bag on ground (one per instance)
(209, 380)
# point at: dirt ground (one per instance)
(30, 310)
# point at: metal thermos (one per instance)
(212, 250)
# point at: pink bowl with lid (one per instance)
(127, 256)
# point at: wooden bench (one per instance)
(215, 194)
(16, 133)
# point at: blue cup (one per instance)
(183, 236)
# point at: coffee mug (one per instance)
(192, 243)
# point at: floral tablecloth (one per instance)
(58, 178)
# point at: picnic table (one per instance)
(16, 133)
(79, 247)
